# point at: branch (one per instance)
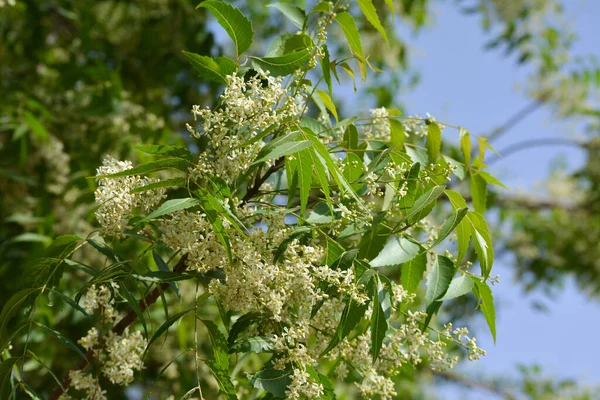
(118, 329)
(533, 143)
(514, 119)
(260, 180)
(473, 384)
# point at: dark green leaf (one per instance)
(163, 267)
(272, 380)
(6, 369)
(379, 324)
(254, 344)
(159, 165)
(17, 302)
(165, 150)
(486, 303)
(63, 339)
(297, 233)
(221, 374)
(413, 271)
(173, 182)
(135, 305)
(423, 201)
(165, 326)
(62, 246)
(219, 344)
(449, 225)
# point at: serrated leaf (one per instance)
(219, 344)
(486, 303)
(164, 327)
(352, 35)
(63, 339)
(459, 286)
(173, 182)
(237, 26)
(439, 278)
(159, 165)
(241, 324)
(371, 14)
(373, 241)
(170, 206)
(351, 137)
(397, 137)
(479, 193)
(206, 67)
(434, 141)
(328, 103)
(490, 179)
(165, 150)
(15, 303)
(282, 65)
(351, 316)
(105, 249)
(423, 201)
(221, 374)
(397, 250)
(293, 13)
(413, 271)
(449, 225)
(272, 380)
(284, 149)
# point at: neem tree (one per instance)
(292, 248)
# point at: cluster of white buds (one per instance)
(115, 200)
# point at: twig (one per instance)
(533, 143)
(252, 191)
(118, 329)
(473, 384)
(514, 119)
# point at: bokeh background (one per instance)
(82, 78)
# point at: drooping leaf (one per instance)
(482, 242)
(16, 303)
(165, 150)
(63, 339)
(282, 65)
(326, 69)
(219, 344)
(434, 141)
(165, 326)
(371, 14)
(373, 241)
(351, 137)
(104, 249)
(491, 179)
(6, 369)
(135, 306)
(413, 271)
(293, 13)
(465, 147)
(328, 103)
(439, 278)
(449, 225)
(379, 323)
(397, 250)
(223, 378)
(486, 303)
(170, 206)
(352, 34)
(463, 230)
(459, 286)
(62, 246)
(163, 267)
(479, 193)
(237, 26)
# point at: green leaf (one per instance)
(15, 303)
(397, 134)
(482, 242)
(62, 246)
(463, 229)
(423, 201)
(490, 179)
(439, 278)
(328, 103)
(449, 225)
(434, 141)
(173, 182)
(159, 165)
(459, 286)
(371, 14)
(351, 316)
(282, 65)
(413, 271)
(206, 67)
(63, 339)
(397, 250)
(320, 214)
(164, 150)
(272, 380)
(373, 241)
(6, 369)
(326, 69)
(135, 306)
(237, 26)
(170, 206)
(479, 193)
(352, 34)
(223, 378)
(165, 326)
(465, 147)
(379, 324)
(104, 249)
(241, 324)
(66, 299)
(30, 392)
(36, 126)
(351, 137)
(390, 4)
(297, 233)
(219, 344)
(163, 267)
(254, 344)
(412, 176)
(293, 13)
(284, 149)
(486, 303)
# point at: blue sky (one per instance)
(464, 84)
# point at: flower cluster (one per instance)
(114, 197)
